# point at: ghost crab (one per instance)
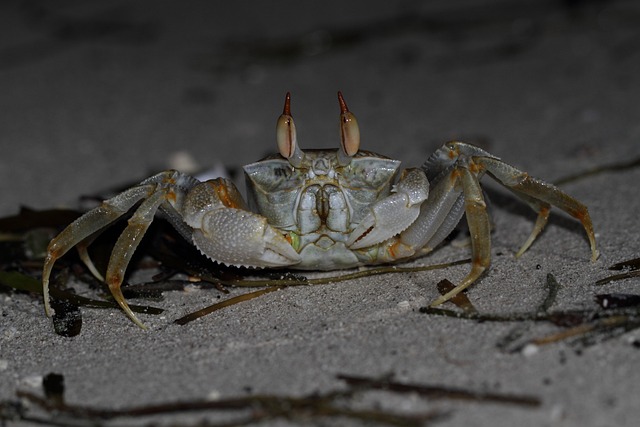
(319, 209)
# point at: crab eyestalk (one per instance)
(349, 133)
(286, 136)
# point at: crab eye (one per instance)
(286, 135)
(349, 133)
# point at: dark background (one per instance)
(95, 95)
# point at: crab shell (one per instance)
(318, 204)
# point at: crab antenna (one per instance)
(286, 135)
(349, 133)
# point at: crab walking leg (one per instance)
(83, 252)
(126, 246)
(442, 211)
(439, 215)
(543, 209)
(88, 224)
(479, 229)
(527, 187)
(171, 182)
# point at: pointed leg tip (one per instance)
(142, 326)
(521, 251)
(135, 319)
(45, 298)
(438, 301)
(119, 297)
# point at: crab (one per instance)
(322, 209)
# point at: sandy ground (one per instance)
(95, 95)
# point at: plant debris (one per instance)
(615, 314)
(254, 409)
(631, 265)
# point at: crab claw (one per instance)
(242, 238)
(226, 231)
(394, 213)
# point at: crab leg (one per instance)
(83, 253)
(479, 229)
(168, 186)
(543, 210)
(544, 195)
(439, 215)
(125, 247)
(88, 224)
(467, 164)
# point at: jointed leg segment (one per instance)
(153, 192)
(540, 196)
(479, 229)
(85, 226)
(458, 165)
